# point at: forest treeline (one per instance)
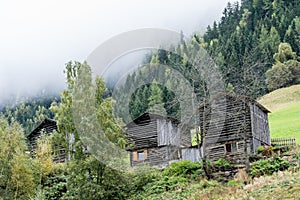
(30, 112)
(259, 38)
(255, 44)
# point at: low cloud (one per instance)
(38, 37)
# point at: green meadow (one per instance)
(284, 118)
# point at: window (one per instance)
(140, 155)
(230, 147)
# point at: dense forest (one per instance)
(259, 39)
(256, 47)
(30, 112)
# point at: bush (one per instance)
(260, 149)
(166, 183)
(184, 168)
(222, 162)
(297, 156)
(55, 185)
(268, 166)
(142, 176)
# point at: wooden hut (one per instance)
(156, 140)
(47, 127)
(228, 123)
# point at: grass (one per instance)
(281, 185)
(281, 98)
(285, 107)
(285, 122)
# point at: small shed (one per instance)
(47, 126)
(156, 140)
(230, 122)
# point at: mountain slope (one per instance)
(285, 107)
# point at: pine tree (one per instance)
(156, 104)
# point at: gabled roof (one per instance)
(149, 116)
(48, 124)
(238, 97)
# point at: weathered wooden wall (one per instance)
(191, 154)
(143, 133)
(231, 119)
(167, 133)
(158, 156)
(260, 127)
(185, 135)
(225, 119)
(47, 126)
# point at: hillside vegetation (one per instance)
(285, 107)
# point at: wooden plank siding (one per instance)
(160, 136)
(231, 119)
(47, 126)
(191, 154)
(143, 133)
(157, 156)
(260, 127)
(167, 133)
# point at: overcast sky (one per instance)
(38, 37)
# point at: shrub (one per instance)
(297, 156)
(166, 183)
(260, 149)
(184, 168)
(268, 166)
(222, 162)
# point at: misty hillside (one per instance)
(254, 49)
(29, 112)
(255, 46)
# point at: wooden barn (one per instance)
(228, 123)
(47, 126)
(157, 140)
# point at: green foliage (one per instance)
(29, 113)
(55, 184)
(156, 97)
(156, 104)
(141, 176)
(17, 180)
(260, 149)
(165, 183)
(233, 182)
(222, 162)
(285, 53)
(86, 176)
(268, 166)
(184, 168)
(90, 179)
(286, 71)
(297, 156)
(43, 156)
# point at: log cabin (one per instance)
(47, 127)
(233, 127)
(157, 140)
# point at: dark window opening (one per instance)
(228, 147)
(231, 147)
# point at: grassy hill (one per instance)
(285, 107)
